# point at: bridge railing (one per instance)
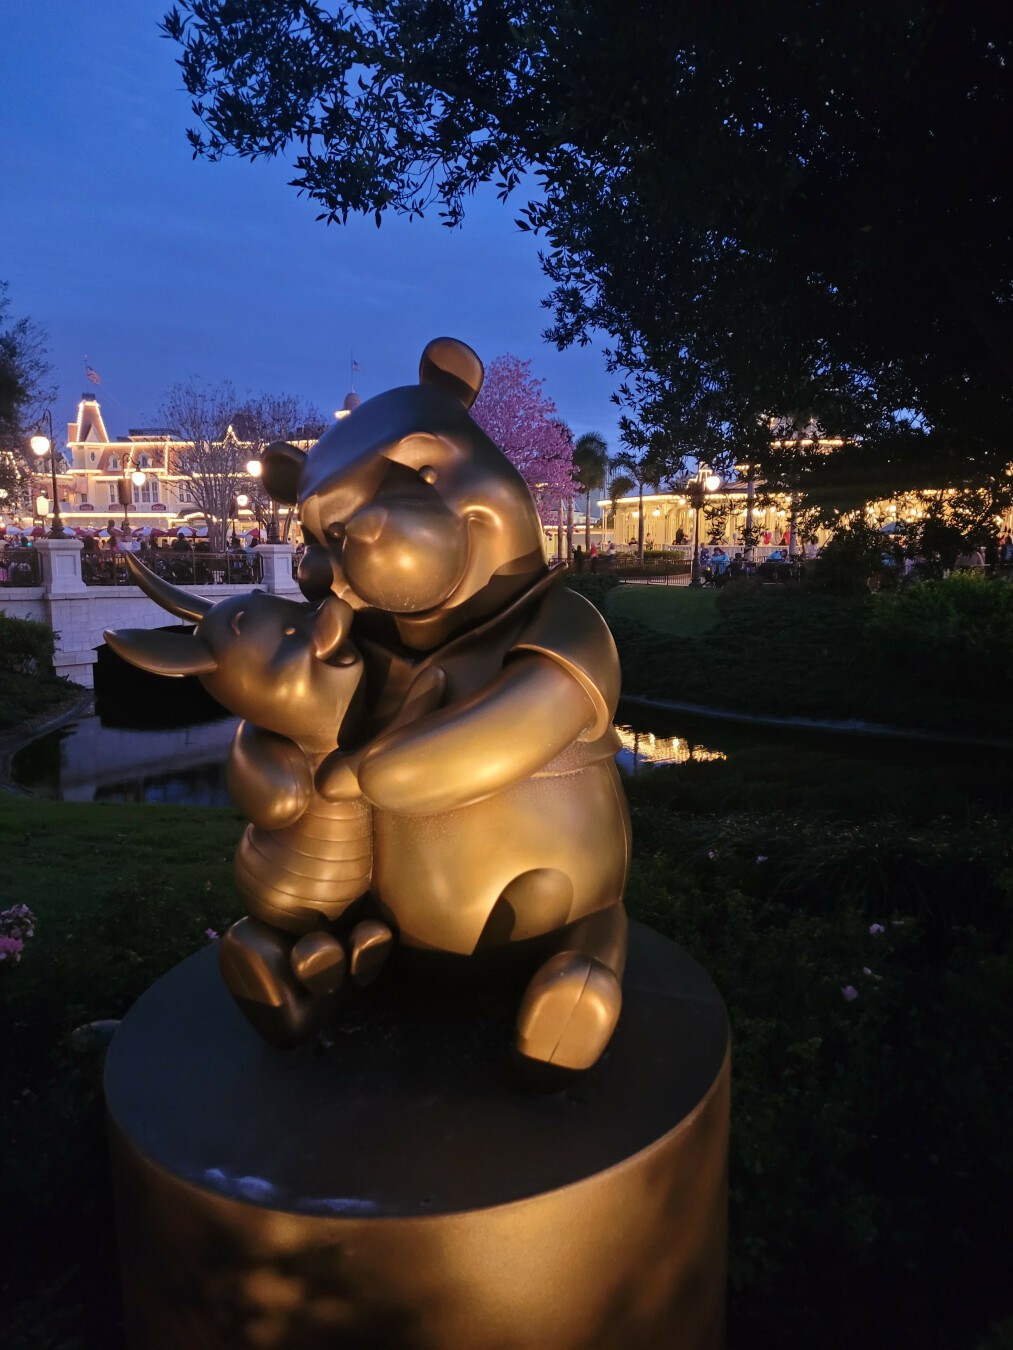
(20, 567)
(181, 567)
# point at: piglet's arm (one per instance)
(499, 736)
(269, 777)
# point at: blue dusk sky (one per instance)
(159, 268)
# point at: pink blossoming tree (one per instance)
(513, 412)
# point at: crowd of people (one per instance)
(181, 559)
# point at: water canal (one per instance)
(155, 753)
(93, 759)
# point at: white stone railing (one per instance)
(80, 614)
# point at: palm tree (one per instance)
(620, 485)
(647, 470)
(590, 463)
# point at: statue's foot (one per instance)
(318, 962)
(256, 962)
(369, 945)
(569, 1011)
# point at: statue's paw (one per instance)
(255, 960)
(369, 945)
(569, 1011)
(318, 963)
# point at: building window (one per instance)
(144, 462)
(114, 461)
(147, 492)
(114, 494)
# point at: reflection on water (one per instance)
(642, 749)
(90, 761)
(86, 761)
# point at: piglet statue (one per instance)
(290, 671)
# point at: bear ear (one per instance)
(283, 466)
(453, 367)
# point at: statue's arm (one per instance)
(497, 737)
(269, 777)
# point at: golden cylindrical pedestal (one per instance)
(402, 1189)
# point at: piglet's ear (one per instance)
(282, 470)
(452, 366)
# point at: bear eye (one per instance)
(428, 474)
(290, 631)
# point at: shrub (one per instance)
(848, 560)
(26, 646)
(957, 634)
(869, 1010)
(593, 587)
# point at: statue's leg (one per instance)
(571, 1005)
(256, 962)
(287, 986)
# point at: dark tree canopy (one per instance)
(24, 394)
(795, 210)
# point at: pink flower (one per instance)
(876, 928)
(850, 992)
(711, 854)
(210, 933)
(11, 946)
(761, 857)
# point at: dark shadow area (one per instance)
(135, 700)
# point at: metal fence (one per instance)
(20, 567)
(183, 567)
(666, 570)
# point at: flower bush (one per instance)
(17, 926)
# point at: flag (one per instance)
(90, 374)
(356, 368)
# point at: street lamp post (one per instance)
(255, 469)
(241, 502)
(41, 446)
(698, 496)
(138, 478)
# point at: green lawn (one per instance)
(871, 1157)
(121, 893)
(675, 611)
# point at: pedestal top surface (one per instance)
(413, 1107)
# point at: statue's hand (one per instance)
(337, 778)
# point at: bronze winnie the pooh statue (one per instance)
(482, 740)
(498, 817)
